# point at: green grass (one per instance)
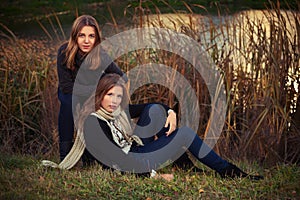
(22, 177)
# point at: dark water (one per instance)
(49, 24)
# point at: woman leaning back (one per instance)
(107, 108)
(84, 36)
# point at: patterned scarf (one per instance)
(120, 128)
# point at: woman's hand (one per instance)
(171, 121)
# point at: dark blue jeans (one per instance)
(154, 113)
(65, 117)
(66, 123)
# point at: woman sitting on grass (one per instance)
(104, 125)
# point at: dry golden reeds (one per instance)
(258, 52)
(25, 68)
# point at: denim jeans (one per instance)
(65, 117)
(66, 124)
(196, 146)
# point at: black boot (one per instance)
(88, 159)
(185, 163)
(64, 149)
(233, 171)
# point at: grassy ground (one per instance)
(22, 177)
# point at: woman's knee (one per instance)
(153, 113)
(155, 109)
(151, 121)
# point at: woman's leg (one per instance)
(150, 122)
(208, 156)
(65, 124)
(77, 102)
(205, 154)
(186, 137)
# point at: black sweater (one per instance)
(135, 111)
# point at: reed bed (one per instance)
(27, 79)
(258, 53)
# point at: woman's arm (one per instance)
(87, 79)
(65, 77)
(114, 68)
(110, 66)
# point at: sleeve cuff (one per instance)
(170, 110)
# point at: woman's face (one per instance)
(86, 39)
(112, 99)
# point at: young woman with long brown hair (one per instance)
(84, 36)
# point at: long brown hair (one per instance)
(93, 103)
(72, 48)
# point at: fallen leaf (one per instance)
(167, 177)
(41, 179)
